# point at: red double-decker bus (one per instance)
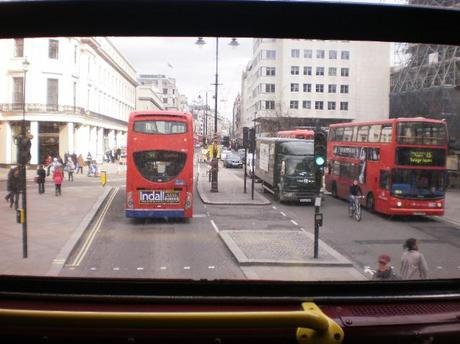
(159, 177)
(305, 134)
(400, 164)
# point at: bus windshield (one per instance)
(159, 166)
(418, 183)
(421, 133)
(160, 127)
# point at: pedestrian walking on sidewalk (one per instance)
(48, 163)
(413, 263)
(81, 163)
(41, 175)
(13, 187)
(385, 271)
(89, 159)
(70, 168)
(58, 178)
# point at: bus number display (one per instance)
(420, 157)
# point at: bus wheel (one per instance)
(370, 203)
(334, 190)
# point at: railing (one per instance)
(45, 108)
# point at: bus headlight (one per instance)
(399, 204)
(188, 201)
(439, 204)
(129, 200)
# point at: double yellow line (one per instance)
(89, 240)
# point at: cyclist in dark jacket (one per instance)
(355, 191)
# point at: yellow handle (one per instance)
(313, 325)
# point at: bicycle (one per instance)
(354, 208)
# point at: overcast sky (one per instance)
(192, 66)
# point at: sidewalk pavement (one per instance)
(230, 189)
(55, 224)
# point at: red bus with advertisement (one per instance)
(305, 134)
(400, 164)
(159, 177)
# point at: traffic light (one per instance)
(24, 145)
(320, 149)
(252, 140)
(245, 137)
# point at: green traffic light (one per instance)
(319, 161)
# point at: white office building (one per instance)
(291, 82)
(167, 87)
(148, 98)
(75, 93)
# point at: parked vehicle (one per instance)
(286, 168)
(233, 160)
(224, 154)
(241, 154)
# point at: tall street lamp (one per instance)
(24, 144)
(233, 43)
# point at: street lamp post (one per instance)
(214, 163)
(24, 163)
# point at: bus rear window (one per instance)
(160, 127)
(159, 166)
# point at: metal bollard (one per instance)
(103, 178)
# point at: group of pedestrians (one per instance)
(413, 264)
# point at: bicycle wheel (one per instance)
(350, 210)
(358, 213)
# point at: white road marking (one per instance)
(302, 229)
(186, 267)
(72, 268)
(199, 215)
(92, 269)
(116, 269)
(295, 223)
(282, 213)
(94, 230)
(140, 268)
(215, 226)
(58, 261)
(211, 267)
(163, 268)
(439, 267)
(274, 207)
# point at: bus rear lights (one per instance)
(399, 204)
(188, 201)
(129, 200)
(439, 204)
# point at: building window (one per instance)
(52, 94)
(307, 70)
(295, 53)
(269, 88)
(294, 87)
(345, 55)
(343, 88)
(308, 53)
(319, 70)
(19, 47)
(331, 105)
(53, 49)
(165, 100)
(306, 104)
(332, 71)
(332, 89)
(270, 104)
(318, 105)
(319, 88)
(270, 71)
(344, 72)
(270, 54)
(320, 54)
(294, 104)
(344, 106)
(294, 70)
(165, 91)
(18, 91)
(307, 87)
(332, 54)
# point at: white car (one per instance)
(224, 154)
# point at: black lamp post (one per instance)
(233, 43)
(21, 148)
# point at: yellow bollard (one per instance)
(103, 178)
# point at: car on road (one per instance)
(224, 153)
(233, 160)
(241, 154)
